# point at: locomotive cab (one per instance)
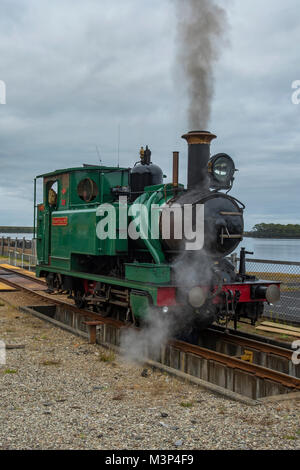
(67, 218)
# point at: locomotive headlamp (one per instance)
(221, 168)
(270, 293)
(273, 294)
(197, 297)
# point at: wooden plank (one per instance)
(275, 330)
(10, 267)
(281, 326)
(28, 273)
(6, 288)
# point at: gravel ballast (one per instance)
(62, 393)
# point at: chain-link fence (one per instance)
(288, 273)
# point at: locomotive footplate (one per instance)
(262, 291)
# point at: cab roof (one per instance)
(81, 168)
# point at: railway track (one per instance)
(243, 366)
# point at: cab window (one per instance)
(87, 190)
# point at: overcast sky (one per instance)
(75, 70)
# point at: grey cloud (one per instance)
(76, 70)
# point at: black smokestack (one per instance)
(198, 157)
(201, 36)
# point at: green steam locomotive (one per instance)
(123, 243)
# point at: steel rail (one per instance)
(255, 344)
(235, 363)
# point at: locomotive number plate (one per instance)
(60, 221)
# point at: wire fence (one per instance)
(288, 273)
(22, 260)
(18, 252)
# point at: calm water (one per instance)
(270, 249)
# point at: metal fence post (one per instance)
(33, 245)
(234, 261)
(16, 248)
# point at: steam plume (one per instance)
(157, 330)
(201, 35)
(148, 342)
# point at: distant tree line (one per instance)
(274, 231)
(9, 229)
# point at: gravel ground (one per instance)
(62, 393)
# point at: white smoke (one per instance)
(193, 269)
(148, 341)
